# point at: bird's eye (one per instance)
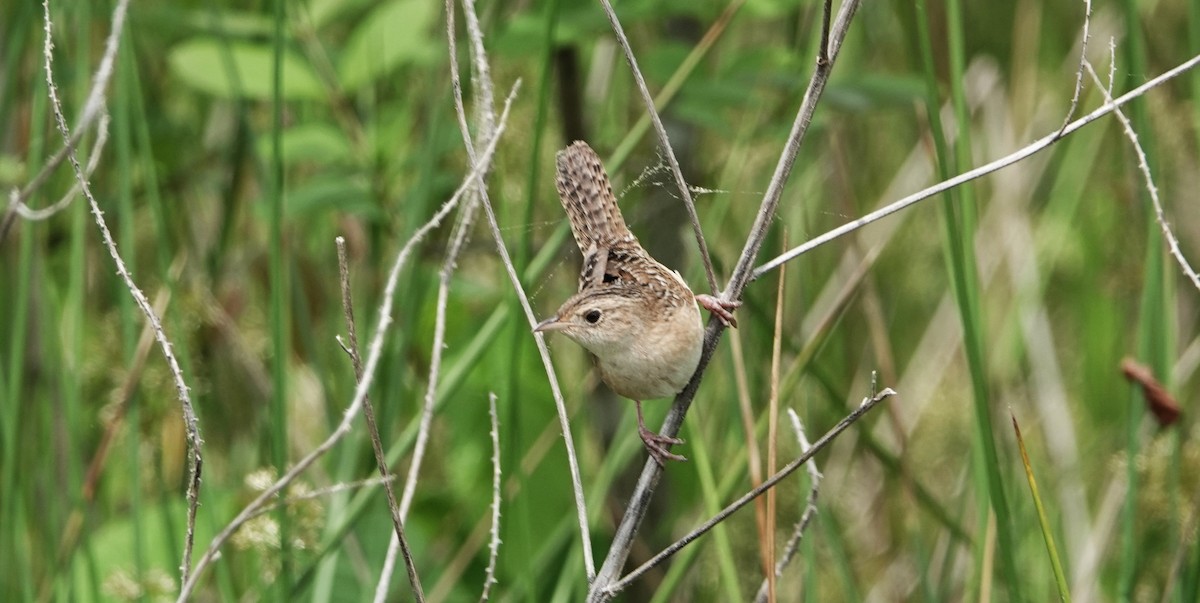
(593, 316)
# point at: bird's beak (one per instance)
(550, 324)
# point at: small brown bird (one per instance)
(638, 318)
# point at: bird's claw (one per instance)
(723, 309)
(656, 445)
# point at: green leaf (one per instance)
(317, 142)
(240, 70)
(391, 35)
(344, 193)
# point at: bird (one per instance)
(638, 319)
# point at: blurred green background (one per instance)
(1019, 293)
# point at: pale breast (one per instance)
(661, 362)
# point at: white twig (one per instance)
(375, 352)
(493, 544)
(1038, 145)
(1144, 167)
(191, 424)
(810, 508)
(589, 562)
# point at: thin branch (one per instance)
(1038, 145)
(191, 424)
(374, 353)
(664, 142)
(1144, 167)
(651, 472)
(493, 544)
(372, 428)
(1087, 22)
(810, 508)
(564, 422)
(866, 406)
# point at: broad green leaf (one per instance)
(391, 35)
(240, 70)
(343, 193)
(317, 141)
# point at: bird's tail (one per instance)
(588, 198)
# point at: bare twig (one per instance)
(372, 428)
(1087, 22)
(374, 353)
(1144, 167)
(664, 142)
(494, 543)
(867, 405)
(1038, 145)
(191, 424)
(651, 471)
(810, 508)
(544, 353)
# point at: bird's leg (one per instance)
(723, 309)
(656, 443)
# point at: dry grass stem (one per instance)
(485, 125)
(36, 215)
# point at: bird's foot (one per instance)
(656, 445)
(721, 308)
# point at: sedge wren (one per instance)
(637, 317)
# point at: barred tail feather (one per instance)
(588, 198)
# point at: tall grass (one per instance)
(1022, 290)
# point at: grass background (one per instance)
(1020, 293)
